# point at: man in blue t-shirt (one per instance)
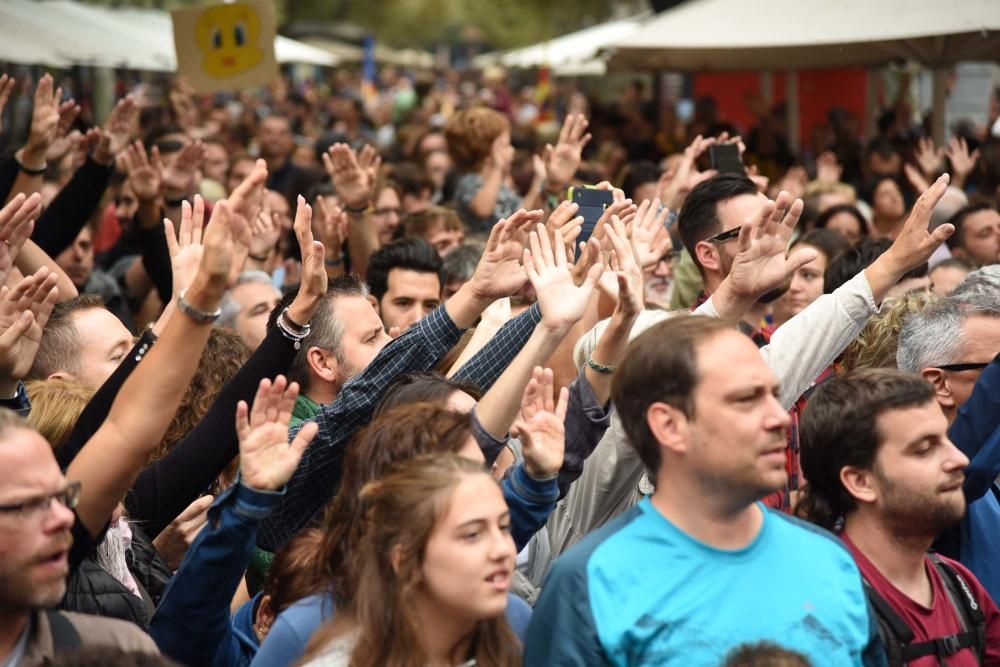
(700, 567)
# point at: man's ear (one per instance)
(942, 388)
(62, 375)
(707, 256)
(859, 483)
(323, 364)
(669, 426)
(374, 302)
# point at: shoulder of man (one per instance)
(100, 631)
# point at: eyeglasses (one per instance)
(727, 235)
(33, 508)
(971, 366)
(386, 211)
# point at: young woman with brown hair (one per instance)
(436, 564)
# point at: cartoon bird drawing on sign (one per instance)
(227, 36)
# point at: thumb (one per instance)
(942, 233)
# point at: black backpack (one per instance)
(898, 638)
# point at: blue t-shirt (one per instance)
(642, 592)
(286, 640)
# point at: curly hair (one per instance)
(224, 354)
(471, 133)
(875, 346)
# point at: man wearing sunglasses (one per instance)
(955, 345)
(36, 556)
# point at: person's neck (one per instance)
(447, 639)
(887, 227)
(899, 559)
(322, 393)
(12, 624)
(275, 162)
(723, 523)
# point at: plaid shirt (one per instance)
(420, 348)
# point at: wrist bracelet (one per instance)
(199, 316)
(357, 211)
(286, 326)
(29, 171)
(599, 368)
(335, 262)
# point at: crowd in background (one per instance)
(331, 375)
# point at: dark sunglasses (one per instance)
(727, 235)
(972, 366)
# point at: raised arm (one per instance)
(353, 177)
(109, 463)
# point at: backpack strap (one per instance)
(894, 632)
(964, 602)
(64, 634)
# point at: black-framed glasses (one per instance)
(727, 235)
(972, 366)
(69, 496)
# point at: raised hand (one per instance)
(928, 157)
(246, 201)
(962, 162)
(649, 233)
(674, 188)
(267, 459)
(541, 426)
(181, 98)
(562, 161)
(499, 272)
(501, 154)
(331, 226)
(17, 220)
(68, 111)
(564, 218)
(174, 540)
(6, 88)
(353, 178)
(627, 270)
(915, 244)
(561, 301)
(761, 262)
(44, 117)
(265, 232)
(143, 171)
(180, 178)
(219, 241)
(312, 284)
(186, 248)
(828, 169)
(24, 311)
(117, 130)
(916, 177)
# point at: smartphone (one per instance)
(726, 159)
(592, 202)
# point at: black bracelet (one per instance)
(357, 211)
(29, 171)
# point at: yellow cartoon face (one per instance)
(227, 36)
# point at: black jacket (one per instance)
(91, 590)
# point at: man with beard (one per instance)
(882, 470)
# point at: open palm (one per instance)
(560, 299)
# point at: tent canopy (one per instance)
(728, 35)
(60, 33)
(572, 54)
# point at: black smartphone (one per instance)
(726, 159)
(592, 202)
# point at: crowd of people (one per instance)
(311, 377)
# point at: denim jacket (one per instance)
(192, 624)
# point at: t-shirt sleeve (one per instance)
(562, 629)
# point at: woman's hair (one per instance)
(397, 435)
(830, 243)
(224, 354)
(423, 387)
(282, 584)
(852, 210)
(419, 225)
(404, 508)
(875, 346)
(55, 407)
(471, 133)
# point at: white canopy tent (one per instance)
(573, 54)
(727, 35)
(60, 33)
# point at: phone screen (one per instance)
(592, 202)
(726, 158)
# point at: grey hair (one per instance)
(460, 263)
(981, 281)
(230, 307)
(933, 337)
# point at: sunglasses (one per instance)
(727, 235)
(972, 366)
